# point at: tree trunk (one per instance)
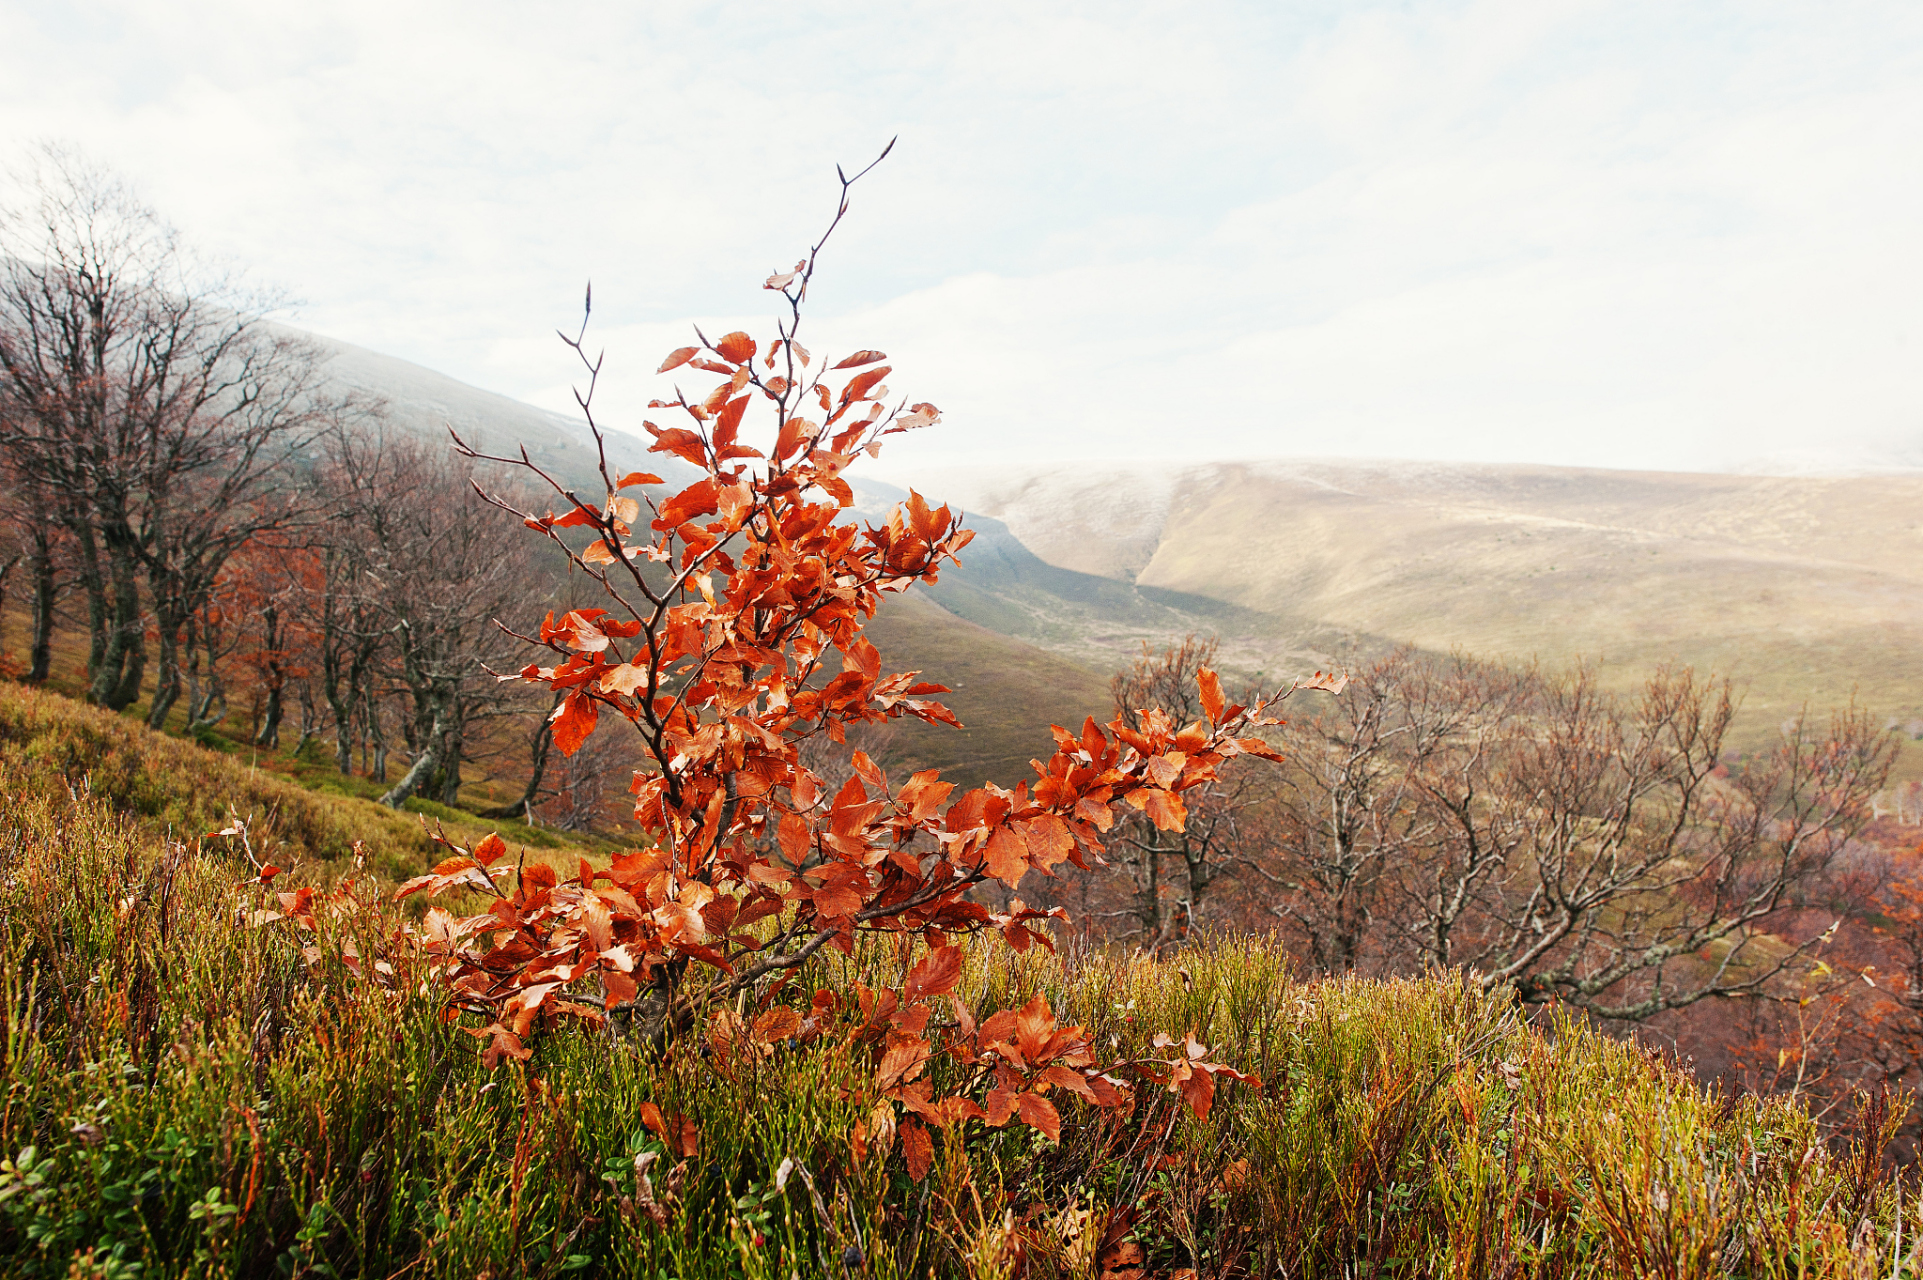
(200, 707)
(1149, 900)
(340, 704)
(123, 665)
(419, 771)
(268, 735)
(537, 772)
(451, 753)
(4, 575)
(167, 678)
(338, 701)
(343, 737)
(94, 583)
(40, 659)
(309, 716)
(378, 770)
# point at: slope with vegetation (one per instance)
(188, 1095)
(805, 1025)
(1805, 589)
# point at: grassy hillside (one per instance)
(61, 752)
(1006, 692)
(191, 1095)
(1808, 590)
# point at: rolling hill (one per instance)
(1808, 589)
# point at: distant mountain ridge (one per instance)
(1808, 588)
(1007, 690)
(426, 403)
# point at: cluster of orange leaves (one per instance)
(1013, 1058)
(734, 635)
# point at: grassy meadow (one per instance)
(193, 1089)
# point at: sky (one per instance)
(1669, 235)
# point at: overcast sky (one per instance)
(1665, 235)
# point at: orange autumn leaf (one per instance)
(916, 1149)
(573, 721)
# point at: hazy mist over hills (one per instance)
(1806, 587)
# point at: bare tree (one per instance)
(439, 567)
(1347, 819)
(1650, 876)
(1541, 834)
(1172, 873)
(148, 402)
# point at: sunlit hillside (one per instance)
(1807, 589)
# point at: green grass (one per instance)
(53, 746)
(189, 1095)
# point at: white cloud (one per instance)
(1627, 234)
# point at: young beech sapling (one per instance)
(732, 636)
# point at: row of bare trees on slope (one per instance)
(1520, 824)
(178, 468)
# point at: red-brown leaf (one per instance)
(1210, 685)
(776, 1024)
(793, 433)
(1166, 810)
(1034, 1027)
(678, 357)
(916, 1149)
(679, 441)
(859, 384)
(729, 421)
(737, 347)
(902, 1062)
(1199, 1092)
(696, 500)
(936, 975)
(860, 358)
(1039, 1113)
(1006, 856)
(574, 720)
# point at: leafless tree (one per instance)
(149, 403)
(1539, 833)
(1651, 876)
(439, 568)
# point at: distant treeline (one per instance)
(183, 487)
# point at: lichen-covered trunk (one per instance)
(40, 570)
(123, 652)
(425, 763)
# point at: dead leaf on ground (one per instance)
(1125, 1261)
